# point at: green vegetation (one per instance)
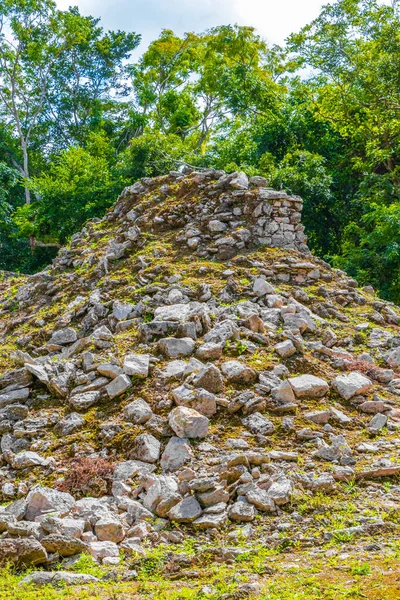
(319, 117)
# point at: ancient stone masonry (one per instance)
(184, 368)
(231, 213)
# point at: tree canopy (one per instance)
(319, 117)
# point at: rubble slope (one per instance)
(186, 369)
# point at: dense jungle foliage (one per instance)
(320, 117)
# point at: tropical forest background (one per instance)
(82, 115)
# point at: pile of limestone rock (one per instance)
(192, 323)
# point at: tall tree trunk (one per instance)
(26, 171)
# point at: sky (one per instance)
(273, 19)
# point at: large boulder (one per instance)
(138, 412)
(176, 347)
(209, 378)
(309, 386)
(137, 365)
(188, 423)
(146, 448)
(186, 511)
(238, 372)
(43, 500)
(63, 545)
(56, 577)
(177, 453)
(353, 384)
(22, 552)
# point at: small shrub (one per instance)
(88, 477)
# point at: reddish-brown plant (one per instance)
(88, 477)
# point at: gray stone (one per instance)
(261, 287)
(85, 400)
(280, 491)
(258, 424)
(138, 412)
(177, 453)
(22, 552)
(339, 416)
(210, 520)
(239, 180)
(241, 511)
(176, 347)
(209, 378)
(320, 417)
(282, 455)
(338, 449)
(216, 226)
(14, 396)
(258, 181)
(175, 312)
(372, 407)
(186, 511)
(122, 310)
(63, 545)
(283, 393)
(118, 386)
(237, 372)
(377, 423)
(309, 386)
(162, 495)
(393, 360)
(285, 349)
(214, 496)
(137, 365)
(26, 459)
(109, 529)
(130, 468)
(15, 380)
(209, 351)
(43, 500)
(353, 384)
(102, 550)
(200, 400)
(188, 423)
(109, 370)
(57, 577)
(221, 332)
(67, 526)
(260, 498)
(64, 336)
(146, 448)
(69, 424)
(174, 370)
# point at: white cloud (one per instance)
(274, 19)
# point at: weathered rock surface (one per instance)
(184, 369)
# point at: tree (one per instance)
(353, 49)
(87, 80)
(30, 42)
(79, 185)
(57, 70)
